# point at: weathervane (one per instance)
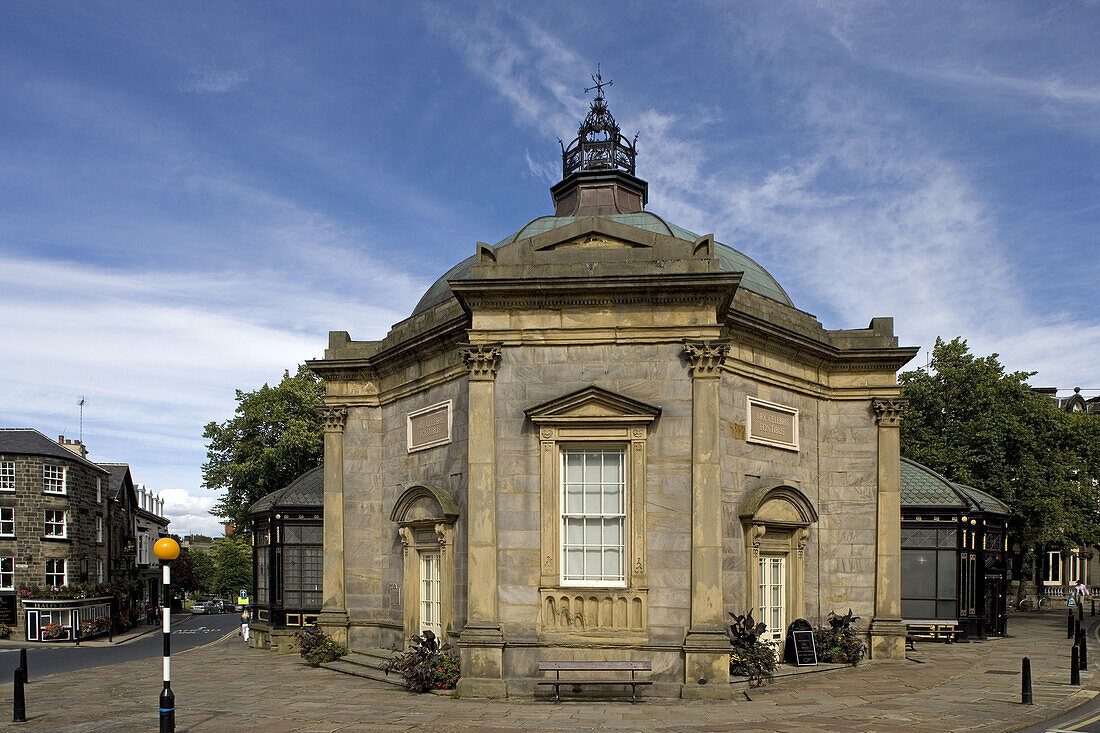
(600, 83)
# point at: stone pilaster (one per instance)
(481, 644)
(334, 613)
(887, 627)
(706, 645)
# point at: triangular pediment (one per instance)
(593, 404)
(593, 232)
(593, 240)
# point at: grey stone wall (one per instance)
(377, 470)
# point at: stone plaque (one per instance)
(429, 427)
(395, 595)
(772, 424)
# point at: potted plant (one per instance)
(751, 656)
(841, 642)
(51, 631)
(5, 630)
(317, 647)
(426, 666)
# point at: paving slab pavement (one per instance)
(226, 686)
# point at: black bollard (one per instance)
(1076, 629)
(1093, 611)
(1025, 683)
(19, 699)
(1084, 652)
(1081, 609)
(1069, 626)
(1074, 667)
(23, 663)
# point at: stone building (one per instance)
(52, 515)
(597, 438)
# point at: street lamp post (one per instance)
(167, 549)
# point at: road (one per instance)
(44, 659)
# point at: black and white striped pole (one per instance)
(167, 549)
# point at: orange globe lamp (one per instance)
(166, 549)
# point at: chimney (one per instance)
(74, 446)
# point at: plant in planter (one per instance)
(317, 647)
(5, 630)
(51, 631)
(751, 657)
(841, 642)
(426, 665)
(87, 628)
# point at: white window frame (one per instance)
(1054, 561)
(7, 476)
(99, 530)
(98, 491)
(47, 522)
(7, 521)
(7, 573)
(601, 518)
(99, 569)
(49, 477)
(430, 598)
(64, 572)
(773, 596)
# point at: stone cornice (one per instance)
(748, 329)
(888, 411)
(706, 357)
(334, 417)
(482, 360)
(716, 288)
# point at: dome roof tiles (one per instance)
(308, 490)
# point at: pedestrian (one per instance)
(1080, 590)
(244, 623)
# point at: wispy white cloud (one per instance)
(210, 80)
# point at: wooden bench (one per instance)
(558, 667)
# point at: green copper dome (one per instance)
(754, 278)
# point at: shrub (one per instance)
(5, 630)
(750, 657)
(51, 631)
(87, 627)
(841, 642)
(316, 646)
(426, 665)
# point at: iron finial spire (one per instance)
(599, 83)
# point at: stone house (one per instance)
(53, 515)
(597, 438)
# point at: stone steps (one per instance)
(366, 663)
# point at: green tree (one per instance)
(979, 425)
(274, 436)
(231, 558)
(202, 565)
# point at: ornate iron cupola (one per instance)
(598, 166)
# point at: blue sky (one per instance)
(193, 194)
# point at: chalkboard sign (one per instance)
(805, 653)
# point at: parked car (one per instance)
(205, 607)
(222, 605)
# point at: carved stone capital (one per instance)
(706, 357)
(482, 360)
(888, 412)
(334, 417)
(406, 539)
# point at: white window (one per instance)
(55, 523)
(7, 573)
(1078, 568)
(1054, 569)
(429, 593)
(53, 479)
(55, 573)
(99, 491)
(7, 476)
(99, 530)
(593, 518)
(7, 521)
(99, 570)
(773, 596)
